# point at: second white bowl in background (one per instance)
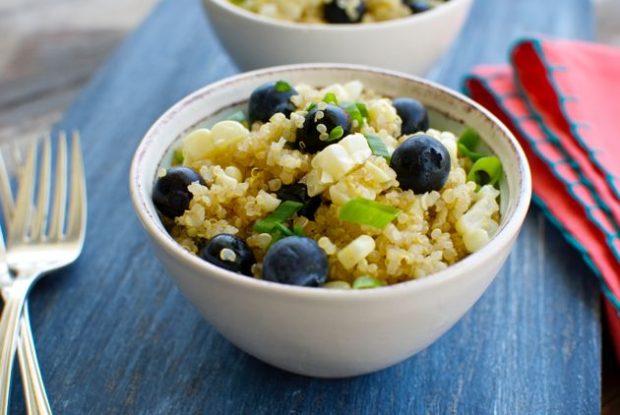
(410, 44)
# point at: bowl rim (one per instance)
(457, 270)
(324, 27)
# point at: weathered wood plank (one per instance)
(115, 335)
(49, 50)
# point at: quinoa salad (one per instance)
(337, 11)
(335, 187)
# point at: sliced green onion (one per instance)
(282, 213)
(362, 107)
(283, 86)
(486, 170)
(356, 113)
(472, 155)
(311, 106)
(298, 230)
(336, 133)
(283, 229)
(280, 231)
(367, 212)
(467, 143)
(377, 146)
(365, 282)
(177, 157)
(264, 226)
(469, 138)
(330, 98)
(276, 235)
(239, 116)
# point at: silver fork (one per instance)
(34, 389)
(33, 250)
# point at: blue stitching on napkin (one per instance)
(509, 96)
(581, 249)
(555, 140)
(568, 98)
(523, 118)
(608, 175)
(571, 163)
(557, 68)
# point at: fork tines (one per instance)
(33, 217)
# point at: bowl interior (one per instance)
(448, 110)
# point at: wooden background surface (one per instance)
(119, 338)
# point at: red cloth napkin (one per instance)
(561, 99)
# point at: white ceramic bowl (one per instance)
(411, 44)
(322, 332)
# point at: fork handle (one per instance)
(15, 297)
(34, 389)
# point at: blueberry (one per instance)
(319, 123)
(229, 252)
(296, 260)
(417, 6)
(421, 164)
(170, 194)
(339, 11)
(298, 192)
(412, 113)
(271, 98)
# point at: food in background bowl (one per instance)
(410, 44)
(336, 187)
(337, 11)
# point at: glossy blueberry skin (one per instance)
(296, 260)
(333, 13)
(244, 256)
(308, 137)
(421, 164)
(417, 6)
(266, 100)
(412, 113)
(170, 194)
(298, 192)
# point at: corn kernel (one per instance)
(356, 251)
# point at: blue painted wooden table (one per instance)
(116, 336)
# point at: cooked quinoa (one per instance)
(314, 11)
(243, 169)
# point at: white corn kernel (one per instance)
(333, 162)
(313, 182)
(326, 245)
(267, 201)
(475, 239)
(202, 143)
(357, 147)
(378, 174)
(229, 132)
(354, 89)
(356, 251)
(196, 145)
(476, 225)
(234, 172)
(263, 240)
(338, 194)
